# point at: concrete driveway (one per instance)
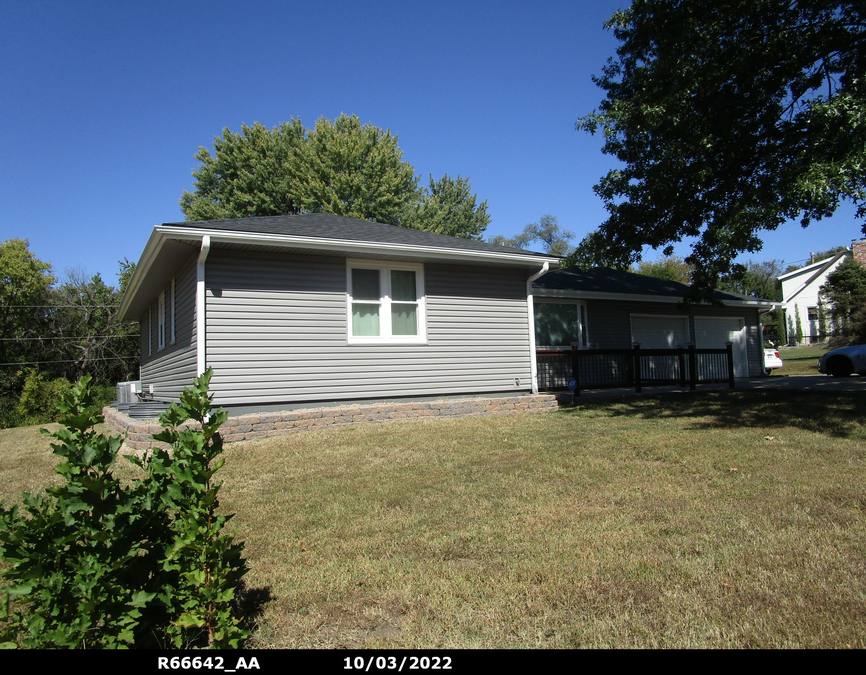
(773, 382)
(805, 383)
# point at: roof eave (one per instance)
(634, 297)
(162, 233)
(352, 246)
(151, 249)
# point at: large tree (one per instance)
(353, 170)
(25, 312)
(728, 117)
(449, 207)
(249, 174)
(340, 167)
(546, 233)
(88, 336)
(757, 279)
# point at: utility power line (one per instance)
(34, 363)
(80, 337)
(62, 306)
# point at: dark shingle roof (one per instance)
(329, 226)
(602, 280)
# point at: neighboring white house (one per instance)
(801, 297)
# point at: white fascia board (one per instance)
(819, 281)
(803, 270)
(350, 246)
(151, 249)
(598, 295)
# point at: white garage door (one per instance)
(660, 332)
(714, 332)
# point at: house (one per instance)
(300, 309)
(603, 308)
(801, 299)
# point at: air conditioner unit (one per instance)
(126, 391)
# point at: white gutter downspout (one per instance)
(200, 326)
(530, 307)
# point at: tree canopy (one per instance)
(729, 117)
(757, 279)
(25, 289)
(672, 268)
(352, 170)
(50, 331)
(449, 207)
(546, 232)
(340, 167)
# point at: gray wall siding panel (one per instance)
(277, 332)
(171, 369)
(609, 324)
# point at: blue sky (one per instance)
(104, 104)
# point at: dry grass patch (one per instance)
(722, 519)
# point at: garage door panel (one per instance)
(660, 332)
(714, 332)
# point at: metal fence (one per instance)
(636, 367)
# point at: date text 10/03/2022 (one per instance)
(393, 663)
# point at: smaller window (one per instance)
(173, 333)
(160, 320)
(813, 313)
(150, 330)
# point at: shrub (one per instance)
(99, 564)
(40, 398)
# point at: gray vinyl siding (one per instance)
(171, 369)
(609, 325)
(277, 332)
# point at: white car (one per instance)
(772, 360)
(842, 362)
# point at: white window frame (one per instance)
(160, 322)
(385, 336)
(582, 326)
(173, 321)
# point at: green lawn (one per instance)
(719, 519)
(800, 360)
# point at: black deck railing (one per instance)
(636, 367)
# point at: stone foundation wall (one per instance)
(263, 425)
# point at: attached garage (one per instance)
(713, 332)
(617, 309)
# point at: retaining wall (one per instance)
(263, 425)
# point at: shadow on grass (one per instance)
(251, 606)
(838, 414)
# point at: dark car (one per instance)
(842, 362)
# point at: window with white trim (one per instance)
(558, 324)
(173, 322)
(385, 303)
(160, 322)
